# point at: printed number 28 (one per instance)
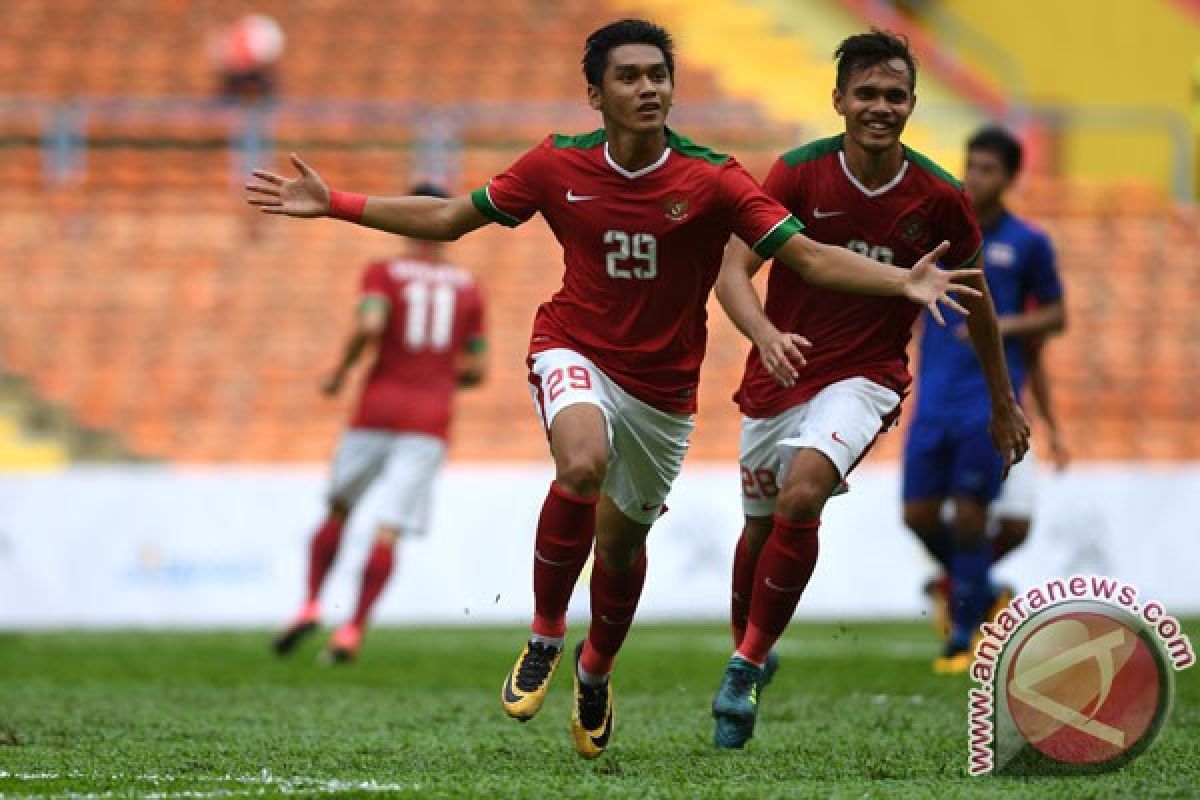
(576, 377)
(758, 484)
(642, 248)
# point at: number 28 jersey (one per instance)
(435, 312)
(641, 250)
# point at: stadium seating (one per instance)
(144, 298)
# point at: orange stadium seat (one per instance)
(145, 299)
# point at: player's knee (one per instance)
(582, 474)
(339, 508)
(755, 533)
(922, 521)
(801, 500)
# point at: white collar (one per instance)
(643, 171)
(872, 192)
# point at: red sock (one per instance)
(784, 567)
(743, 586)
(375, 577)
(565, 532)
(322, 552)
(614, 600)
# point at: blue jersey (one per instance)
(1019, 266)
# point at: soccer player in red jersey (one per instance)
(865, 191)
(643, 216)
(424, 319)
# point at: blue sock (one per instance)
(970, 592)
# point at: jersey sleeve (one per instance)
(782, 184)
(513, 196)
(473, 329)
(376, 285)
(1041, 277)
(758, 219)
(961, 230)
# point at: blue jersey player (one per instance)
(949, 454)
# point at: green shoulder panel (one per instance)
(818, 148)
(584, 141)
(686, 147)
(930, 166)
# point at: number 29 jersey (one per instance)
(641, 251)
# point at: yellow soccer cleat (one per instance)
(952, 663)
(591, 714)
(524, 689)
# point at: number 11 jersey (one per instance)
(641, 251)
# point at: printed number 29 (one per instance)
(577, 377)
(642, 248)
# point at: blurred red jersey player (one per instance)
(643, 216)
(425, 318)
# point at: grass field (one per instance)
(855, 712)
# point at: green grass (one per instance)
(854, 712)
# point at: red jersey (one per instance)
(855, 335)
(642, 250)
(434, 313)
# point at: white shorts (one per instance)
(645, 446)
(840, 421)
(1018, 493)
(404, 464)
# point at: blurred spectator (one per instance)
(246, 54)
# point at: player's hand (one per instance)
(1010, 432)
(781, 355)
(306, 196)
(333, 384)
(1059, 455)
(927, 285)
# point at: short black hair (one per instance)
(1000, 141)
(626, 31)
(865, 50)
(428, 189)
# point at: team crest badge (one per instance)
(912, 227)
(676, 209)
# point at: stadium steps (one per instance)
(778, 54)
(36, 434)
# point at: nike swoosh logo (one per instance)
(509, 695)
(607, 620)
(579, 198)
(601, 739)
(819, 214)
(538, 555)
(838, 439)
(772, 585)
(650, 506)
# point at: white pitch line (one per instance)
(262, 783)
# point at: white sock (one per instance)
(590, 678)
(556, 642)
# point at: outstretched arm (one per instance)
(842, 270)
(431, 218)
(780, 352)
(1010, 431)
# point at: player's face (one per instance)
(636, 89)
(876, 104)
(986, 179)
